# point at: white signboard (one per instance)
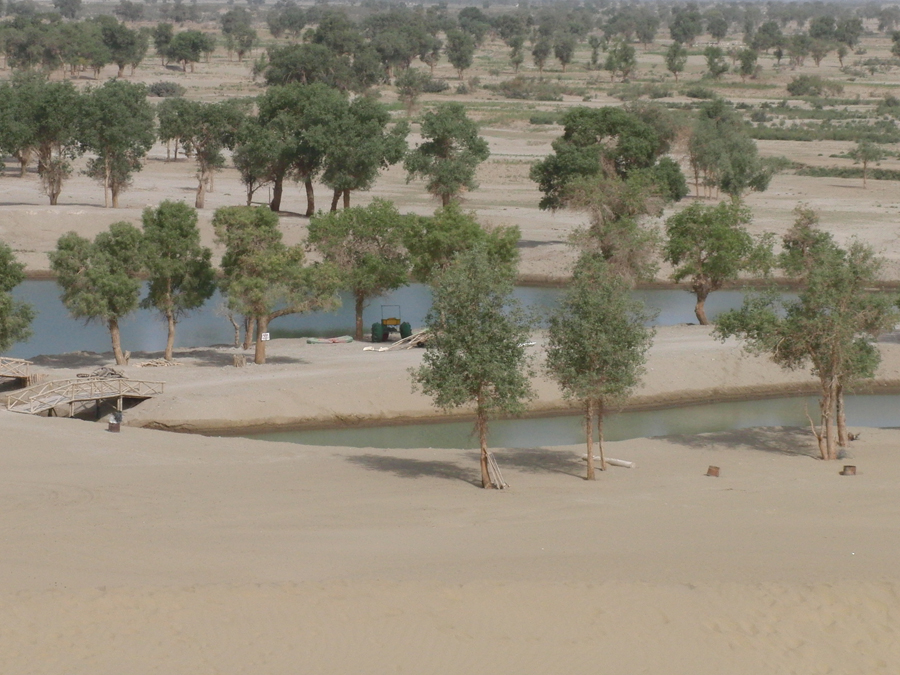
(264, 337)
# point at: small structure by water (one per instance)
(47, 396)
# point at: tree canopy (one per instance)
(365, 245)
(449, 154)
(264, 278)
(710, 245)
(476, 355)
(15, 316)
(597, 344)
(100, 279)
(180, 275)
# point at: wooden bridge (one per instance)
(48, 395)
(16, 369)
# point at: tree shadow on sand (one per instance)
(794, 441)
(538, 460)
(407, 467)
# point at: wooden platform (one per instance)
(15, 369)
(48, 395)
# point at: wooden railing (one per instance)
(15, 368)
(48, 395)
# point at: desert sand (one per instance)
(155, 552)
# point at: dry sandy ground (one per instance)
(154, 552)
(149, 552)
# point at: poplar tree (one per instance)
(449, 154)
(597, 344)
(476, 356)
(100, 279)
(181, 276)
(117, 125)
(831, 328)
(262, 277)
(365, 244)
(710, 245)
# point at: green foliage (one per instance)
(621, 60)
(710, 245)
(716, 65)
(615, 232)
(698, 91)
(166, 90)
(595, 141)
(866, 153)
(434, 242)
(262, 277)
(100, 279)
(476, 355)
(721, 150)
(460, 50)
(117, 125)
(180, 275)
(15, 316)
(676, 58)
(449, 154)
(530, 88)
(410, 85)
(598, 341)
(813, 85)
(360, 145)
(832, 327)
(365, 245)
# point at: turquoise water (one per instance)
(55, 332)
(862, 411)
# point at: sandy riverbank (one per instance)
(152, 552)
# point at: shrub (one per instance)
(166, 90)
(544, 118)
(696, 91)
(813, 85)
(432, 86)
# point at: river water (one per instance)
(862, 411)
(55, 332)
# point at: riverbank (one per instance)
(305, 385)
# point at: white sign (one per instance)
(264, 337)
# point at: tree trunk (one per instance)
(121, 72)
(589, 434)
(826, 435)
(600, 410)
(114, 191)
(481, 424)
(249, 330)
(336, 195)
(346, 199)
(310, 198)
(841, 415)
(106, 183)
(360, 302)
(277, 191)
(212, 182)
(262, 324)
(201, 189)
(170, 339)
(116, 338)
(700, 307)
(445, 199)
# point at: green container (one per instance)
(405, 330)
(377, 332)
